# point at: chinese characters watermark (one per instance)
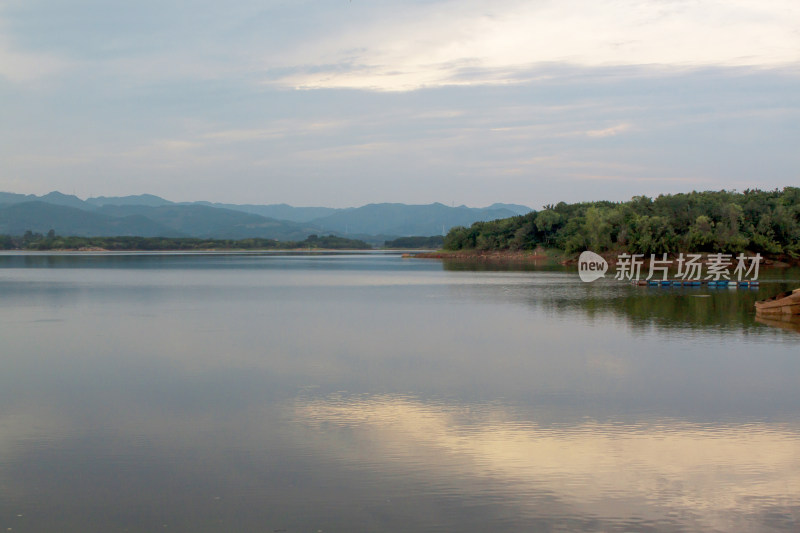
(685, 267)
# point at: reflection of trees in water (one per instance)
(693, 308)
(666, 308)
(643, 307)
(89, 260)
(496, 265)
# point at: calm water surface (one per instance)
(339, 392)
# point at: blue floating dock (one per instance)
(711, 283)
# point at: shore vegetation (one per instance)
(51, 241)
(767, 222)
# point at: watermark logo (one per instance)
(713, 268)
(591, 266)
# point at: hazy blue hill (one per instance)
(373, 222)
(515, 208)
(278, 211)
(149, 200)
(407, 220)
(41, 217)
(141, 226)
(214, 222)
(280, 230)
(14, 198)
(57, 198)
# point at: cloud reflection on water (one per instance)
(706, 476)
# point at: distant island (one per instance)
(766, 222)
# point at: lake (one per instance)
(341, 392)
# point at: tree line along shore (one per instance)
(51, 241)
(765, 222)
(38, 242)
(755, 221)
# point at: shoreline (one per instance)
(540, 255)
(517, 256)
(537, 256)
(198, 250)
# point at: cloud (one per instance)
(609, 132)
(535, 94)
(393, 47)
(243, 135)
(26, 67)
(464, 43)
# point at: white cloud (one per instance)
(243, 135)
(609, 91)
(25, 67)
(609, 132)
(468, 43)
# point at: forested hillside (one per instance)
(723, 221)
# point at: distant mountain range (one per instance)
(147, 215)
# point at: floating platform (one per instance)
(695, 283)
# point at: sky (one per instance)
(347, 102)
